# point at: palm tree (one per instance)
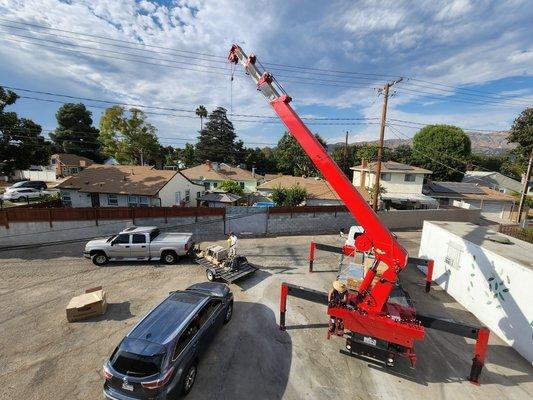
(201, 111)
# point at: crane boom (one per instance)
(377, 236)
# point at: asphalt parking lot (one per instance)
(44, 357)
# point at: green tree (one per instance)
(351, 158)
(201, 111)
(442, 149)
(230, 186)
(128, 137)
(217, 140)
(289, 197)
(21, 143)
(291, 159)
(522, 133)
(261, 159)
(189, 155)
(402, 154)
(75, 132)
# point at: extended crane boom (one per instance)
(376, 236)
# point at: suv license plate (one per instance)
(127, 386)
(369, 340)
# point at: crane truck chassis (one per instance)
(374, 321)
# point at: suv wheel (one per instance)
(22, 198)
(169, 257)
(99, 258)
(229, 313)
(189, 378)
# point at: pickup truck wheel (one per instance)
(210, 274)
(99, 258)
(229, 313)
(169, 257)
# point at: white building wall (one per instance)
(397, 183)
(175, 189)
(497, 290)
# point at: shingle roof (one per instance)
(316, 188)
(493, 179)
(72, 160)
(463, 190)
(392, 166)
(121, 179)
(225, 172)
(220, 197)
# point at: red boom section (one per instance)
(386, 248)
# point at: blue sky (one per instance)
(465, 63)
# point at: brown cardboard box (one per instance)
(93, 302)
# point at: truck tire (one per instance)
(210, 275)
(169, 257)
(99, 258)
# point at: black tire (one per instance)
(169, 257)
(210, 275)
(22, 198)
(99, 258)
(189, 377)
(229, 313)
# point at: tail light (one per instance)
(159, 382)
(186, 247)
(106, 372)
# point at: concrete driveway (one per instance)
(44, 357)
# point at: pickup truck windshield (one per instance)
(154, 234)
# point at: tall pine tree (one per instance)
(75, 132)
(217, 139)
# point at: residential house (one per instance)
(128, 186)
(210, 174)
(493, 204)
(218, 199)
(319, 192)
(494, 180)
(66, 164)
(402, 184)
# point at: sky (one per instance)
(466, 63)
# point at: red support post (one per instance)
(312, 248)
(429, 275)
(283, 305)
(480, 351)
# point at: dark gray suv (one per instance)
(158, 358)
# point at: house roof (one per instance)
(69, 159)
(219, 197)
(463, 190)
(218, 172)
(316, 188)
(392, 166)
(120, 179)
(491, 178)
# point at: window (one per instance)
(215, 184)
(385, 176)
(178, 198)
(409, 178)
(138, 238)
(135, 365)
(187, 196)
(206, 185)
(208, 311)
(154, 234)
(133, 201)
(112, 200)
(123, 238)
(66, 199)
(242, 185)
(143, 201)
(185, 338)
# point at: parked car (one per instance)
(159, 357)
(39, 185)
(22, 194)
(140, 243)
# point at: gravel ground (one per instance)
(42, 356)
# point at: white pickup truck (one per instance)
(139, 243)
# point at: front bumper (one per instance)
(86, 254)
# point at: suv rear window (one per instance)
(136, 365)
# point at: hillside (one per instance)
(491, 143)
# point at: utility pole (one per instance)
(524, 188)
(381, 140)
(345, 160)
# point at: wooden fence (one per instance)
(517, 232)
(19, 214)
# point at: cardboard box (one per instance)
(93, 302)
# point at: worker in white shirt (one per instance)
(232, 241)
